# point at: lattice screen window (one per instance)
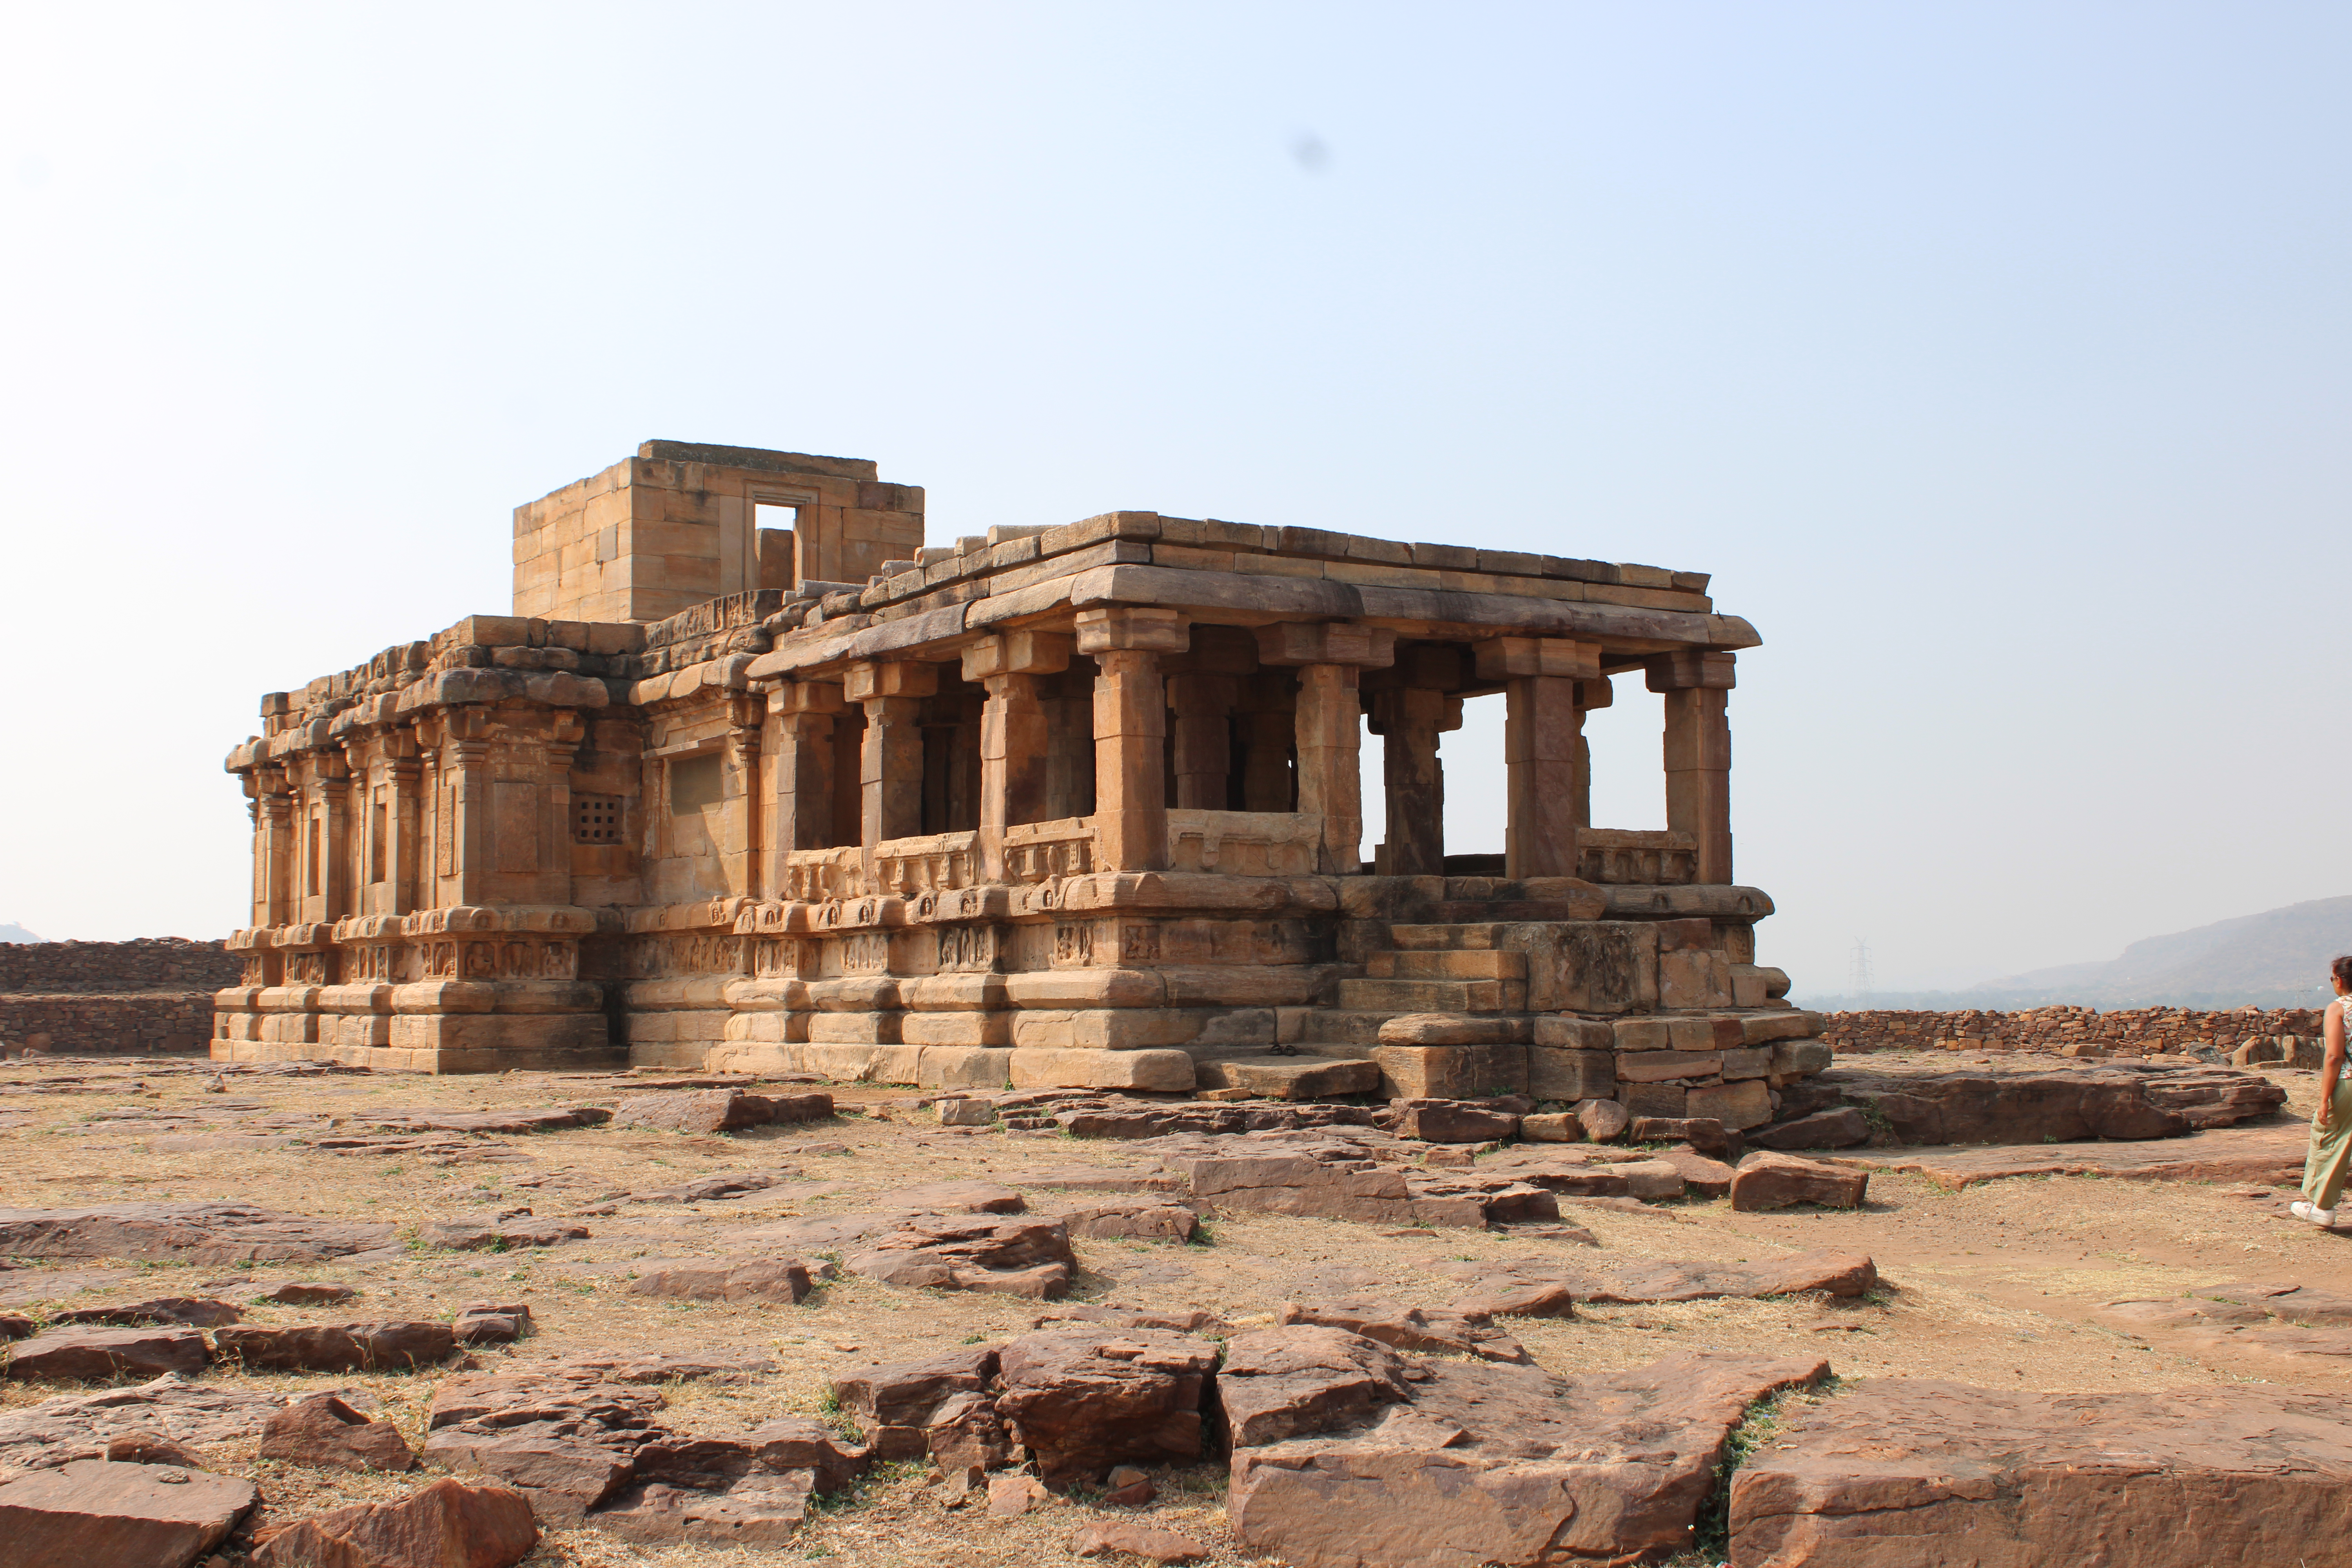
(595, 819)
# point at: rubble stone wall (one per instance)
(149, 963)
(144, 1023)
(2071, 1031)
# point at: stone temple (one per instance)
(755, 779)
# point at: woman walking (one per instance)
(2331, 1122)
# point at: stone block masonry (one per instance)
(2073, 1031)
(146, 997)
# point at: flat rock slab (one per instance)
(2269, 1155)
(94, 1513)
(785, 1279)
(1648, 1282)
(185, 1233)
(499, 1235)
(2113, 1101)
(1346, 1455)
(2280, 1319)
(80, 1426)
(339, 1347)
(91, 1355)
(1938, 1475)
(516, 1120)
(713, 1189)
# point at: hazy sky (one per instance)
(1993, 357)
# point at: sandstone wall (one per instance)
(149, 963)
(2073, 1031)
(144, 1023)
(116, 998)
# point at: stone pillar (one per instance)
(1589, 694)
(801, 816)
(1130, 731)
(1697, 686)
(335, 848)
(743, 853)
(890, 767)
(1542, 728)
(1409, 720)
(466, 799)
(1015, 764)
(403, 773)
(566, 730)
(273, 851)
(1203, 707)
(1331, 656)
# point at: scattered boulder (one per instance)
(1141, 1220)
(1552, 1127)
(785, 1279)
(1492, 1286)
(2113, 1100)
(490, 1323)
(325, 1432)
(225, 1233)
(92, 1512)
(1483, 1463)
(565, 1454)
(1768, 1180)
(966, 1434)
(1454, 1332)
(896, 1403)
(446, 1525)
(955, 1112)
(1707, 1134)
(1107, 1537)
(1332, 1182)
(706, 1492)
(717, 1110)
(1023, 1256)
(16, 1326)
(393, 1346)
(198, 1311)
(1604, 1121)
(1840, 1128)
(499, 1235)
(801, 1443)
(1652, 1181)
(1912, 1471)
(91, 1355)
(1452, 1122)
(1010, 1497)
(1702, 1177)
(1187, 1322)
(1083, 1398)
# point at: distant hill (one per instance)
(2275, 958)
(18, 933)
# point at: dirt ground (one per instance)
(1999, 1284)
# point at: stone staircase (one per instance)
(1471, 990)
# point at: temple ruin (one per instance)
(752, 778)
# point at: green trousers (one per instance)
(2331, 1152)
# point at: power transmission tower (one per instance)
(1859, 980)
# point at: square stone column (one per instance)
(403, 778)
(1589, 694)
(1130, 731)
(334, 850)
(1409, 720)
(1331, 656)
(1202, 706)
(1015, 734)
(890, 768)
(273, 850)
(803, 790)
(1543, 727)
(1697, 685)
(465, 834)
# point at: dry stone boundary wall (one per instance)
(2073, 1031)
(144, 997)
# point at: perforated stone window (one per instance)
(595, 819)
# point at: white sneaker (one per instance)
(2324, 1218)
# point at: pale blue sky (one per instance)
(1991, 356)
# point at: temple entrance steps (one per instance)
(1441, 969)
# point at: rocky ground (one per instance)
(2170, 1303)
